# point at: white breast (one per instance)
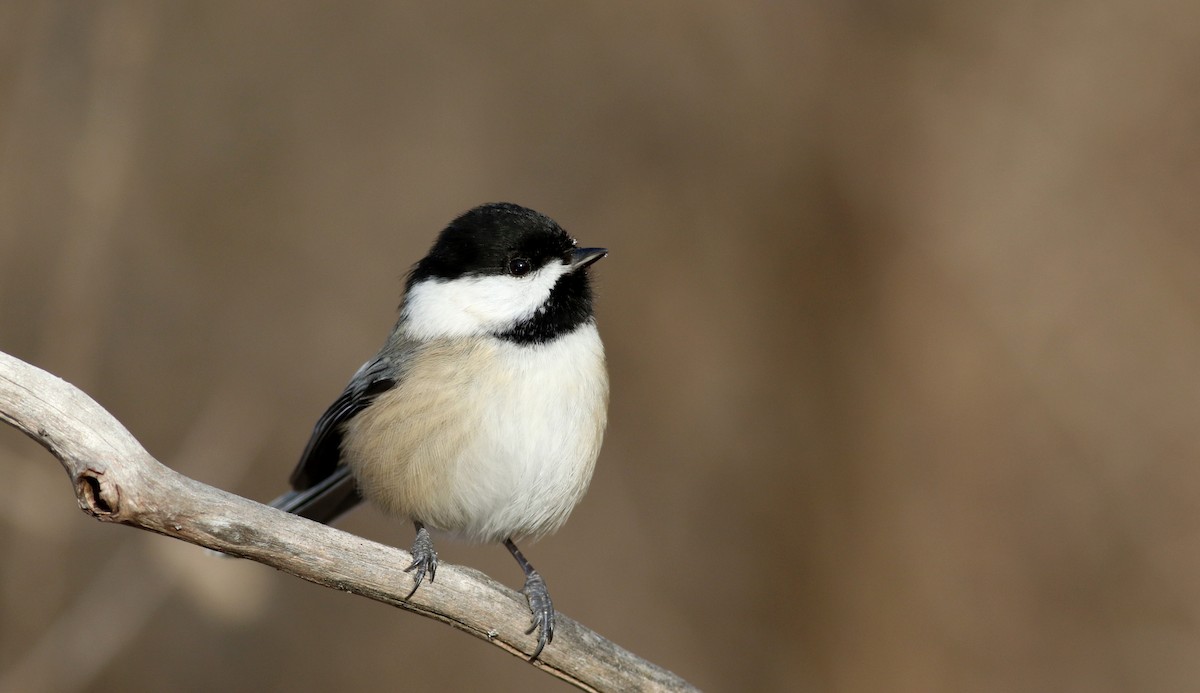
(485, 438)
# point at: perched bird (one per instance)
(483, 413)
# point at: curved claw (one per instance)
(425, 560)
(542, 610)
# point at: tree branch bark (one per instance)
(116, 480)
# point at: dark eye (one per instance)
(519, 267)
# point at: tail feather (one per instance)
(325, 501)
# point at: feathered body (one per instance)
(483, 438)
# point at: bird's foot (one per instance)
(424, 560)
(542, 610)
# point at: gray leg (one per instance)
(539, 601)
(425, 559)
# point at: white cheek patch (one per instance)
(471, 306)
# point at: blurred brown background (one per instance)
(901, 311)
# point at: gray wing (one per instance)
(322, 487)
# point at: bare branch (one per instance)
(116, 480)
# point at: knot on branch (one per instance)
(97, 496)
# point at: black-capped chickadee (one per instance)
(483, 414)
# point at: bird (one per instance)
(483, 414)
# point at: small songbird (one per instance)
(483, 413)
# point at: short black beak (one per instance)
(582, 257)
